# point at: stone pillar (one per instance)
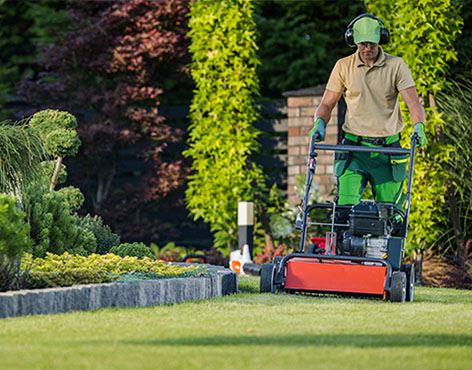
(301, 108)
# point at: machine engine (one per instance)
(370, 227)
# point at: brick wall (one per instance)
(301, 108)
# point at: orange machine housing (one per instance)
(318, 275)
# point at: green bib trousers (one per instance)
(385, 172)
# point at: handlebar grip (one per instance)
(415, 137)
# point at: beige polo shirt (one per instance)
(371, 93)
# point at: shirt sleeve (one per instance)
(404, 77)
(336, 80)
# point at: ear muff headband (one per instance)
(362, 16)
(349, 34)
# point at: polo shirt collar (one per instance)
(379, 62)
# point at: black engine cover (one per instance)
(369, 217)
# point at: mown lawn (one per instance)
(251, 331)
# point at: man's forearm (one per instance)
(410, 96)
(417, 113)
(329, 100)
(323, 112)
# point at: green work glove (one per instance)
(319, 130)
(419, 135)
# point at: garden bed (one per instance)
(218, 282)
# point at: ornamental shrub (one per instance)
(62, 142)
(456, 103)
(72, 196)
(14, 239)
(21, 151)
(139, 250)
(49, 120)
(222, 137)
(52, 279)
(48, 168)
(67, 270)
(110, 263)
(170, 252)
(53, 228)
(57, 129)
(14, 230)
(105, 238)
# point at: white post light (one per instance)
(245, 237)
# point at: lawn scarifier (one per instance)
(369, 260)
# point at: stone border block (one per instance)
(218, 283)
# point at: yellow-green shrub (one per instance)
(108, 263)
(52, 279)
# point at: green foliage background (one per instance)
(456, 103)
(221, 135)
(423, 34)
(300, 41)
(25, 27)
(463, 44)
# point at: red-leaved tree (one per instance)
(109, 71)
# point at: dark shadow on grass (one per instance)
(348, 340)
(444, 296)
(441, 296)
(245, 287)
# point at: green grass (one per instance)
(251, 331)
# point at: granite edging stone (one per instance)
(219, 282)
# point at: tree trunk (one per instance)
(105, 180)
(56, 173)
(418, 261)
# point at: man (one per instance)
(371, 81)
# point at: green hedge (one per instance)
(222, 135)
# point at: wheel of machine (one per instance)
(409, 270)
(267, 278)
(398, 287)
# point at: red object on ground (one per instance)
(323, 275)
(194, 260)
(320, 241)
(236, 266)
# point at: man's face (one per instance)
(368, 51)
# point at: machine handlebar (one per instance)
(369, 149)
(354, 148)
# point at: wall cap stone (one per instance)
(309, 91)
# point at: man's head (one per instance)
(366, 28)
